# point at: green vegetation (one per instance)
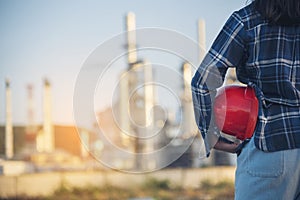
(220, 190)
(154, 184)
(154, 188)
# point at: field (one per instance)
(151, 189)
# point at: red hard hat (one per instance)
(236, 110)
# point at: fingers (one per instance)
(227, 147)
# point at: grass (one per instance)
(220, 190)
(154, 188)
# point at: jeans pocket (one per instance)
(265, 164)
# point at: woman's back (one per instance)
(273, 57)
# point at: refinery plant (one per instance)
(128, 123)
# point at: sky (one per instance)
(53, 38)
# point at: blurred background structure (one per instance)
(49, 146)
(44, 47)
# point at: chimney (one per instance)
(124, 119)
(187, 78)
(189, 126)
(131, 38)
(30, 110)
(201, 39)
(149, 104)
(48, 135)
(9, 149)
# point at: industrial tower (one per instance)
(9, 148)
(136, 101)
(45, 138)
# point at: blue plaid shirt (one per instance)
(266, 57)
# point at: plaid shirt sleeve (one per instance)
(227, 51)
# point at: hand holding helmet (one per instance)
(236, 110)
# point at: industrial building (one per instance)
(50, 146)
(44, 146)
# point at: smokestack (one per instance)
(149, 114)
(189, 125)
(124, 109)
(30, 110)
(201, 39)
(48, 135)
(9, 149)
(131, 38)
(187, 78)
(149, 93)
(149, 103)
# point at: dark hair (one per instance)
(282, 12)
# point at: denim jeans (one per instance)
(267, 175)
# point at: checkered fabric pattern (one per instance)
(266, 57)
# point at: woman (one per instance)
(262, 41)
